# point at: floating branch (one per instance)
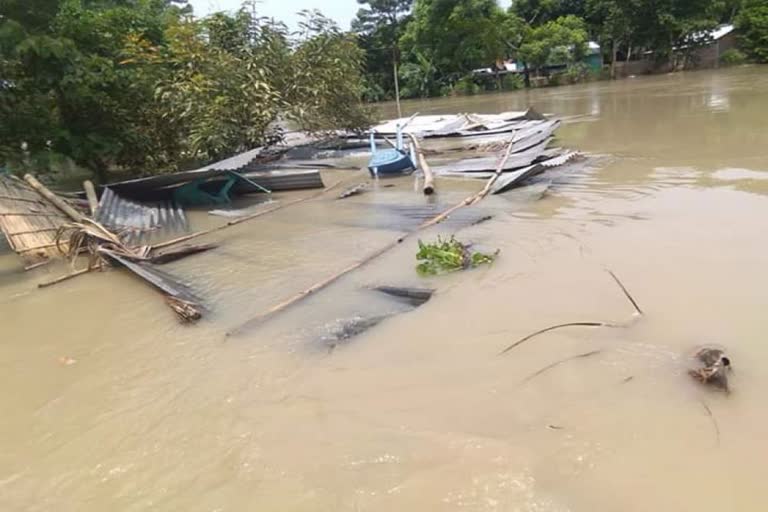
(554, 327)
(714, 421)
(558, 363)
(638, 313)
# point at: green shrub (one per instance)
(512, 82)
(466, 86)
(576, 73)
(752, 26)
(733, 57)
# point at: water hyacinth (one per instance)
(448, 256)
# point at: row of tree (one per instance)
(436, 43)
(141, 86)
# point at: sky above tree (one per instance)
(342, 11)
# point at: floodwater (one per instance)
(109, 404)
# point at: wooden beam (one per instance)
(90, 194)
(32, 231)
(21, 199)
(54, 199)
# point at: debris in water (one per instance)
(448, 256)
(183, 302)
(181, 252)
(715, 369)
(414, 296)
(186, 310)
(714, 421)
(637, 314)
(558, 363)
(29, 221)
(67, 361)
(348, 329)
(484, 218)
(354, 191)
(139, 223)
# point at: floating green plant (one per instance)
(448, 256)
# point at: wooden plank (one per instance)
(37, 248)
(21, 199)
(32, 231)
(33, 214)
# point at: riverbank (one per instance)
(126, 410)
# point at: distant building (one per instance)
(707, 48)
(593, 59)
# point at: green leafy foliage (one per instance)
(140, 87)
(379, 25)
(454, 36)
(733, 57)
(752, 24)
(563, 40)
(539, 12)
(442, 41)
(325, 79)
(448, 256)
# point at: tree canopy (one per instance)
(140, 86)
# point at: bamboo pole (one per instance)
(252, 322)
(90, 194)
(54, 199)
(495, 177)
(37, 265)
(65, 277)
(429, 177)
(474, 198)
(243, 219)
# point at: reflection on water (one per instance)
(109, 404)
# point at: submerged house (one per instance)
(714, 44)
(701, 50)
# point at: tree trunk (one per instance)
(527, 75)
(397, 83)
(613, 60)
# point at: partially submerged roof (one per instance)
(456, 124)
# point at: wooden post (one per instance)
(397, 83)
(90, 193)
(54, 199)
(429, 177)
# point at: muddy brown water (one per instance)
(419, 413)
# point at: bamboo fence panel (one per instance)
(28, 221)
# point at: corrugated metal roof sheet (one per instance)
(140, 223)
